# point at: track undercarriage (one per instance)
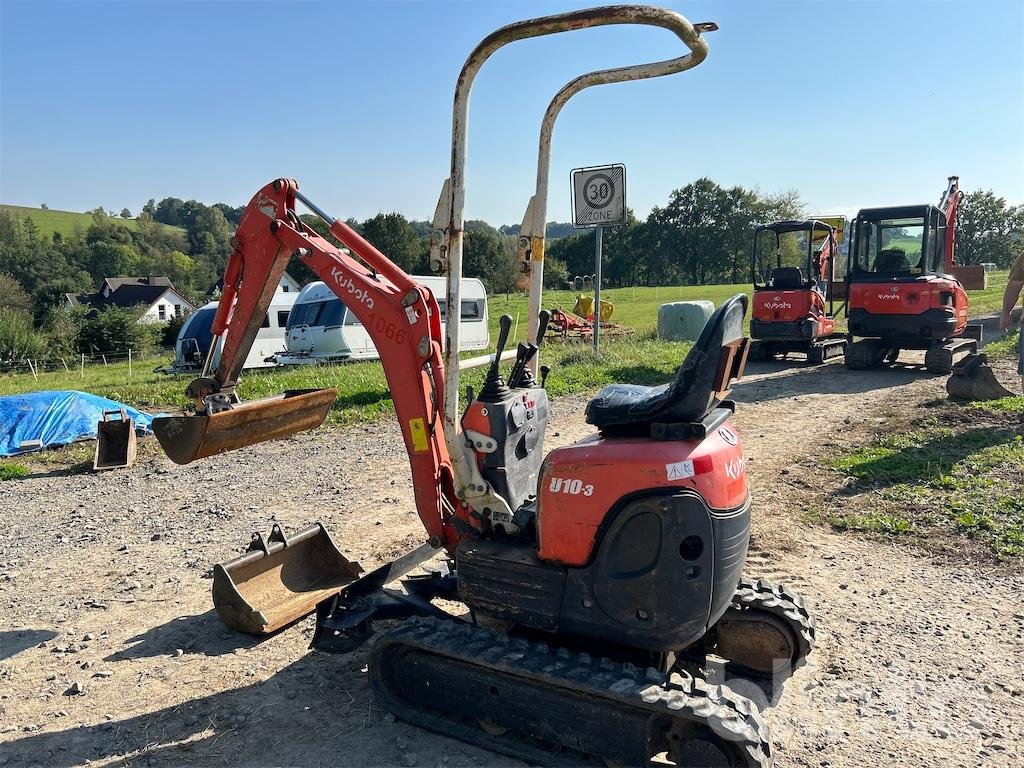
(940, 357)
(556, 700)
(817, 350)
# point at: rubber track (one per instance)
(761, 595)
(674, 695)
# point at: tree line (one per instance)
(702, 235)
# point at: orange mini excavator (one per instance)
(596, 578)
(793, 268)
(900, 293)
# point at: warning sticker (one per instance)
(418, 433)
(680, 470)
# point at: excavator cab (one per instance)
(792, 269)
(900, 290)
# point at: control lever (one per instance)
(494, 387)
(520, 372)
(544, 316)
(544, 371)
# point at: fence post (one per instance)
(104, 359)
(129, 363)
(83, 366)
(65, 362)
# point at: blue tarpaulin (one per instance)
(57, 418)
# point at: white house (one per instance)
(287, 284)
(161, 301)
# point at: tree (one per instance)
(150, 207)
(488, 256)
(13, 296)
(984, 227)
(114, 329)
(125, 213)
(391, 234)
(18, 339)
(113, 260)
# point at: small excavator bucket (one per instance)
(115, 442)
(187, 438)
(279, 579)
(973, 379)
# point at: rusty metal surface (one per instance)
(116, 443)
(190, 437)
(280, 579)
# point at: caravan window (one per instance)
(266, 321)
(472, 309)
(332, 313)
(282, 318)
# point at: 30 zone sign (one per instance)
(598, 196)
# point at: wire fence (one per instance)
(143, 360)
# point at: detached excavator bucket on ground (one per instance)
(973, 379)
(190, 437)
(115, 441)
(279, 579)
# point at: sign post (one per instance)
(598, 201)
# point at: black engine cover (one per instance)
(665, 569)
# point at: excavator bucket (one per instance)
(279, 579)
(187, 438)
(973, 379)
(115, 441)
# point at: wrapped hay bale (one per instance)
(683, 320)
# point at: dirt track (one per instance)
(102, 583)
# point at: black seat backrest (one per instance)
(787, 278)
(892, 260)
(700, 384)
(697, 381)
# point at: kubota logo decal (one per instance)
(734, 468)
(573, 486)
(347, 284)
(777, 305)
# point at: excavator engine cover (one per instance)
(190, 437)
(279, 579)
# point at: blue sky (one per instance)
(854, 104)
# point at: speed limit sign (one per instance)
(598, 196)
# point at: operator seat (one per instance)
(892, 260)
(787, 278)
(632, 409)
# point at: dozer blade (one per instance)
(973, 379)
(187, 438)
(279, 579)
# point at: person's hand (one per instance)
(1005, 322)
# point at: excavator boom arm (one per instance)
(401, 317)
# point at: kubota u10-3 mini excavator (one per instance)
(598, 577)
(793, 268)
(900, 290)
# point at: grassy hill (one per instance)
(65, 222)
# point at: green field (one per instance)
(67, 222)
(363, 392)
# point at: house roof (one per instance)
(218, 286)
(127, 292)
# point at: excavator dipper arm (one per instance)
(402, 318)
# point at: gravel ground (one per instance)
(111, 654)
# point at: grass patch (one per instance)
(1006, 347)
(363, 393)
(68, 223)
(953, 475)
(12, 471)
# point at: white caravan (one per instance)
(194, 338)
(322, 330)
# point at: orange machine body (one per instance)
(582, 484)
